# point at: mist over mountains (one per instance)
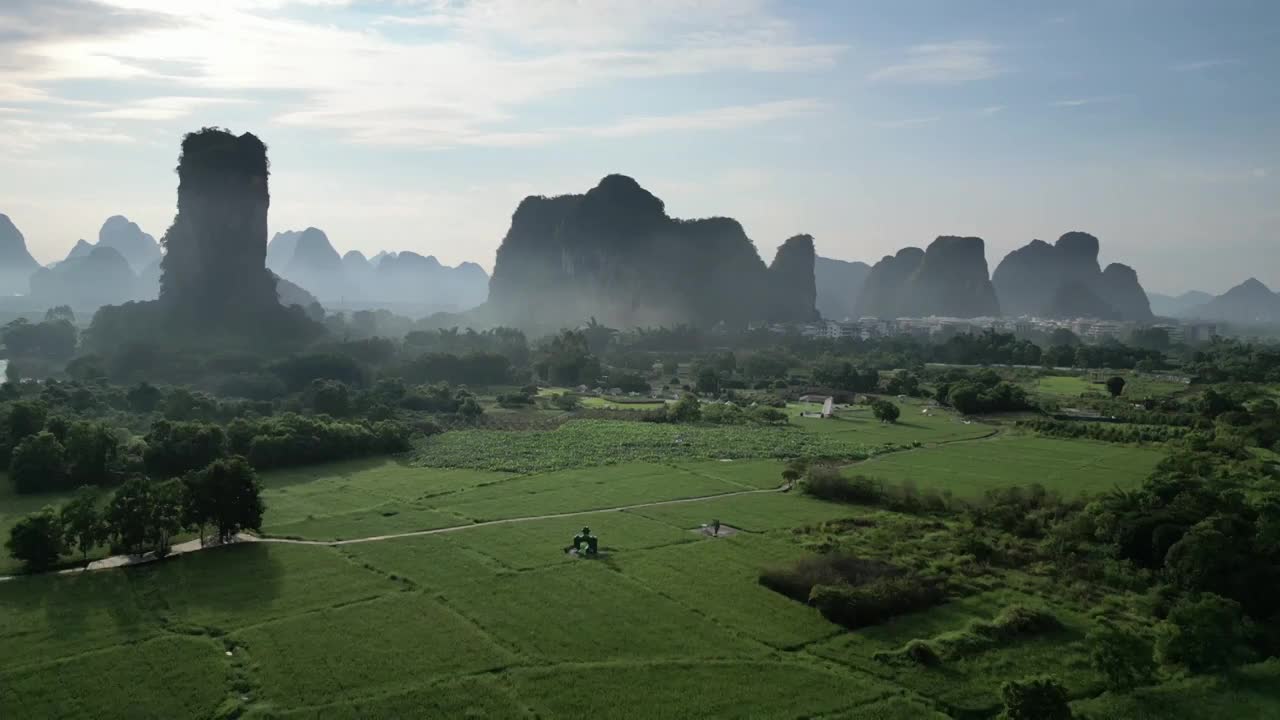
(404, 281)
(613, 253)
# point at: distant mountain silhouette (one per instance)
(1177, 305)
(82, 248)
(137, 247)
(838, 283)
(1249, 303)
(885, 288)
(315, 265)
(405, 282)
(948, 279)
(100, 277)
(613, 253)
(16, 263)
(1038, 279)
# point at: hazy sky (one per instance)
(420, 124)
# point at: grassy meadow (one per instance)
(1069, 467)
(497, 621)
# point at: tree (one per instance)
(686, 410)
(1040, 698)
(886, 411)
(11, 372)
(708, 380)
(1115, 385)
(177, 448)
(26, 418)
(226, 495)
(144, 397)
(82, 523)
(1121, 657)
(38, 464)
(129, 515)
(36, 540)
(167, 514)
(1201, 634)
(330, 397)
(92, 450)
(61, 312)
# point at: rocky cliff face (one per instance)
(215, 265)
(613, 253)
(138, 248)
(1120, 288)
(952, 280)
(16, 263)
(839, 283)
(791, 279)
(884, 293)
(1038, 279)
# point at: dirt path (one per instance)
(117, 561)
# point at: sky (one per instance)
(420, 124)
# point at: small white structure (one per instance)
(829, 408)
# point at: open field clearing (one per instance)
(497, 621)
(1070, 467)
(586, 443)
(1066, 387)
(858, 425)
(352, 500)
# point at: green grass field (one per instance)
(1070, 467)
(497, 621)
(1066, 387)
(587, 443)
(858, 425)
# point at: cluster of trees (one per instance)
(987, 348)
(566, 359)
(979, 392)
(1234, 361)
(1112, 354)
(143, 515)
(1106, 432)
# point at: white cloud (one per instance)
(1205, 64)
(22, 136)
(159, 108)
(943, 63)
(1078, 102)
(465, 86)
(717, 119)
(992, 109)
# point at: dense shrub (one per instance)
(798, 579)
(291, 439)
(855, 606)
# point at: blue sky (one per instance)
(420, 124)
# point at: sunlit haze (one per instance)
(419, 125)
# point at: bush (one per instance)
(1121, 657)
(1013, 622)
(1041, 698)
(38, 464)
(874, 602)
(826, 483)
(36, 540)
(1203, 635)
(797, 580)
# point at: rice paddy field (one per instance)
(491, 618)
(1069, 467)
